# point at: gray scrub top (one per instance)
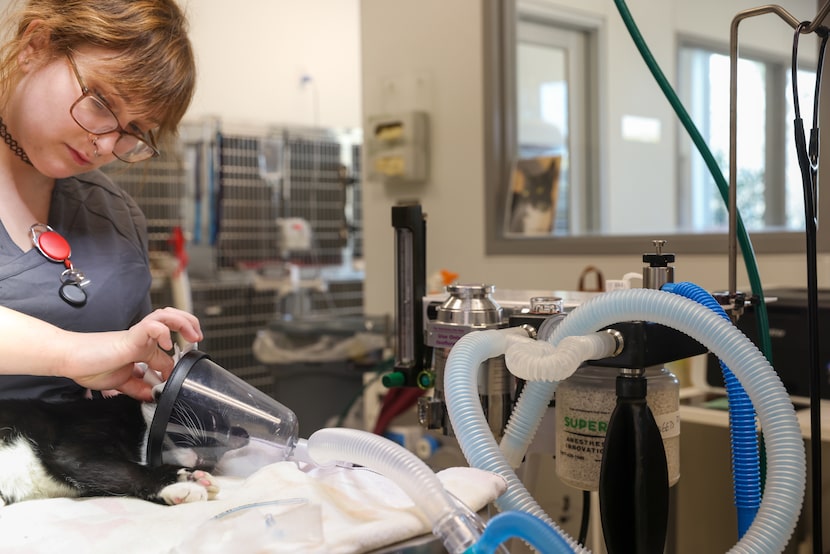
(107, 233)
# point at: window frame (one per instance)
(499, 33)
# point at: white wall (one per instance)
(252, 54)
(442, 42)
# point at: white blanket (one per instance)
(280, 508)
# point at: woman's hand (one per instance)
(104, 361)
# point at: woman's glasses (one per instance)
(94, 116)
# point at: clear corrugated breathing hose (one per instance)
(452, 522)
(784, 492)
(471, 427)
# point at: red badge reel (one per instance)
(55, 248)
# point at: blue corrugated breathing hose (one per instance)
(516, 524)
(746, 472)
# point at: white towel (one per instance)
(280, 508)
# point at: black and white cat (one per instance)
(88, 448)
(533, 208)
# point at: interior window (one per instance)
(563, 162)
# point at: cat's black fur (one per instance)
(87, 448)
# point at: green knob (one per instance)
(394, 379)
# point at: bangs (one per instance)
(158, 93)
(156, 86)
(150, 62)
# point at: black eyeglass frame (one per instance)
(147, 140)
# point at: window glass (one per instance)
(769, 193)
(548, 81)
(541, 207)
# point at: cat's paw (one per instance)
(193, 486)
(203, 478)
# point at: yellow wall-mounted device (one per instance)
(397, 147)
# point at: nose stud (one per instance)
(94, 140)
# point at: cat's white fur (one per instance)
(22, 475)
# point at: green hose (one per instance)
(714, 169)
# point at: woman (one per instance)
(82, 84)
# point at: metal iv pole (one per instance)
(812, 301)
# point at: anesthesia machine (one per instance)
(495, 371)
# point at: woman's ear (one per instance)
(35, 41)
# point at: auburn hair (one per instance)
(152, 67)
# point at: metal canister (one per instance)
(468, 308)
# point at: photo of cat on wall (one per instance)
(532, 196)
